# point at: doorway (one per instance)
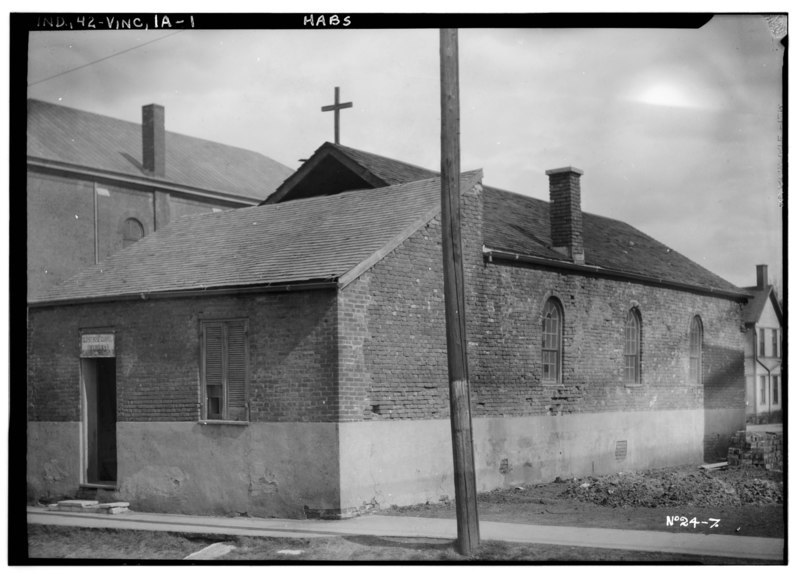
(100, 419)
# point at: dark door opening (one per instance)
(100, 383)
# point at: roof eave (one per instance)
(776, 302)
(386, 249)
(143, 181)
(509, 256)
(317, 284)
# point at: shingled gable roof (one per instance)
(330, 238)
(520, 225)
(755, 307)
(66, 137)
(336, 161)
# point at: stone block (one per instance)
(117, 504)
(77, 503)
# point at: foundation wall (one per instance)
(401, 462)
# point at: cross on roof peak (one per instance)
(336, 107)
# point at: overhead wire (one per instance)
(104, 58)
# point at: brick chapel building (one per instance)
(289, 359)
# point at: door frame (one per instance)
(103, 347)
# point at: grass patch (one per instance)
(55, 542)
(397, 549)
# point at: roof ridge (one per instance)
(348, 193)
(168, 132)
(516, 194)
(547, 202)
(344, 149)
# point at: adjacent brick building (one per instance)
(290, 359)
(98, 184)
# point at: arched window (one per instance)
(633, 348)
(132, 231)
(696, 351)
(552, 328)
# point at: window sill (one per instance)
(634, 385)
(109, 486)
(221, 422)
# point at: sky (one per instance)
(677, 131)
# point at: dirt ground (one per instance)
(738, 500)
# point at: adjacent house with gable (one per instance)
(290, 359)
(764, 355)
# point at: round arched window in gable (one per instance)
(132, 231)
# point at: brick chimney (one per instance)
(762, 280)
(153, 140)
(566, 219)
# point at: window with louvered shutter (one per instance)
(225, 370)
(237, 371)
(214, 339)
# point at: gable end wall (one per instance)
(284, 462)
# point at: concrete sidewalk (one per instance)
(688, 543)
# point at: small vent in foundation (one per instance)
(621, 451)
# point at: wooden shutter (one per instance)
(237, 370)
(214, 370)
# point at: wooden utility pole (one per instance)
(336, 107)
(460, 417)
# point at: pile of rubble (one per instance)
(679, 487)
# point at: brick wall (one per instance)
(60, 219)
(396, 351)
(60, 222)
(116, 204)
(509, 378)
(291, 349)
(395, 355)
